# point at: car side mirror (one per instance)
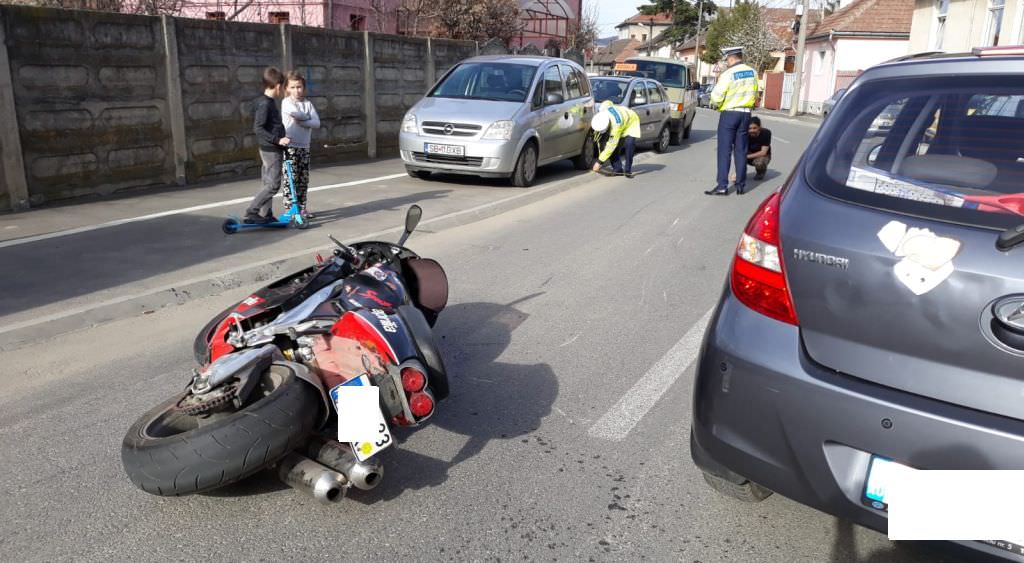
(553, 99)
(639, 101)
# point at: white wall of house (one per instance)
(641, 32)
(968, 24)
(824, 59)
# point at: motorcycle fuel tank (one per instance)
(373, 288)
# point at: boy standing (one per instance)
(270, 134)
(300, 118)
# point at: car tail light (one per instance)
(421, 405)
(758, 277)
(413, 380)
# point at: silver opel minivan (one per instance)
(501, 117)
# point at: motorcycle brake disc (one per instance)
(195, 405)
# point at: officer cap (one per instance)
(728, 51)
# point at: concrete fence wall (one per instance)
(93, 103)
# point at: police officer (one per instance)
(734, 96)
(617, 129)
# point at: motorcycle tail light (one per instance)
(421, 405)
(413, 380)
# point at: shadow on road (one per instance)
(53, 270)
(490, 400)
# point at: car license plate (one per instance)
(446, 150)
(878, 481)
(365, 450)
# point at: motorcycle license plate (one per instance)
(446, 150)
(382, 440)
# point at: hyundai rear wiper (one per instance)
(1010, 238)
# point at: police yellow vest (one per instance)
(736, 88)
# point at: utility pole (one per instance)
(700, 22)
(794, 105)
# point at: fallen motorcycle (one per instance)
(275, 366)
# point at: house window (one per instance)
(357, 22)
(644, 37)
(819, 62)
(278, 17)
(995, 21)
(941, 11)
(216, 16)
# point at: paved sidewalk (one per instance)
(77, 265)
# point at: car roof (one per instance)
(619, 78)
(658, 60)
(518, 59)
(936, 62)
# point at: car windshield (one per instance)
(502, 82)
(946, 148)
(669, 74)
(614, 90)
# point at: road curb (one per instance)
(19, 334)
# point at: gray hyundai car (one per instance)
(874, 311)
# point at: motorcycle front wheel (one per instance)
(169, 452)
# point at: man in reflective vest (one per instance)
(616, 124)
(734, 96)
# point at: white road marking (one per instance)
(568, 342)
(641, 398)
(778, 138)
(75, 231)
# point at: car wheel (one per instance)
(686, 132)
(585, 160)
(664, 138)
(526, 167)
(748, 491)
(418, 174)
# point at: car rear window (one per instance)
(614, 90)
(947, 148)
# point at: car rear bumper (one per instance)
(482, 157)
(764, 411)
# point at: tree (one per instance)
(743, 26)
(685, 16)
(582, 34)
(479, 20)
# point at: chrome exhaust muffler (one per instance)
(304, 474)
(339, 457)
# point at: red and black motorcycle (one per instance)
(275, 366)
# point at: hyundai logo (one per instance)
(1009, 311)
(449, 129)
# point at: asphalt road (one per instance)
(568, 340)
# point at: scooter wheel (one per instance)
(299, 222)
(230, 226)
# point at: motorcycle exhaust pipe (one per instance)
(362, 475)
(304, 474)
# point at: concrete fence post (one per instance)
(175, 99)
(369, 96)
(10, 138)
(286, 47)
(431, 74)
(477, 48)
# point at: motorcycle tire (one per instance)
(163, 454)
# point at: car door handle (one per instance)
(567, 115)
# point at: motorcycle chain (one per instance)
(195, 405)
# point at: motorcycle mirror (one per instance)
(412, 218)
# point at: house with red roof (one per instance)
(849, 41)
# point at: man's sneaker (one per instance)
(253, 220)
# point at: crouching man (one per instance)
(759, 147)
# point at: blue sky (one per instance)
(612, 12)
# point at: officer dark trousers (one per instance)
(626, 149)
(732, 145)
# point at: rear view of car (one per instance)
(874, 312)
(501, 117)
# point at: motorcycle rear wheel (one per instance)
(169, 453)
